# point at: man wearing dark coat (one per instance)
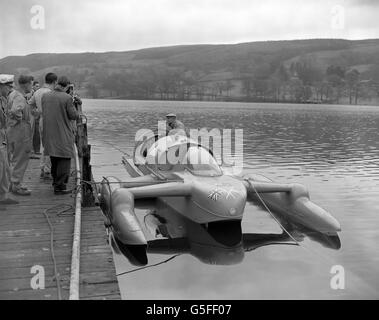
(58, 135)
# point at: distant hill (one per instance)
(247, 71)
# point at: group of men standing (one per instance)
(53, 105)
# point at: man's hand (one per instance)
(77, 100)
(34, 111)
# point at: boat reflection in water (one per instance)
(217, 243)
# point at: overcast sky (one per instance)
(119, 25)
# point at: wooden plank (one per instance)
(24, 272)
(44, 237)
(25, 242)
(91, 265)
(95, 290)
(24, 283)
(45, 294)
(101, 284)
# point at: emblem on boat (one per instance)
(219, 191)
(215, 194)
(231, 193)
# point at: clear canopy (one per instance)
(193, 158)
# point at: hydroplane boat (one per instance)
(184, 175)
(170, 233)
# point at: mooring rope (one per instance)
(272, 215)
(52, 252)
(117, 148)
(305, 247)
(149, 266)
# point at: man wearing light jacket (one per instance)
(36, 103)
(19, 134)
(6, 86)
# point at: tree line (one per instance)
(296, 82)
(302, 82)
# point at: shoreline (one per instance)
(235, 101)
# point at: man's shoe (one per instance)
(21, 192)
(34, 156)
(8, 201)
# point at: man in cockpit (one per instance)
(174, 126)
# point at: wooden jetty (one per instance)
(82, 257)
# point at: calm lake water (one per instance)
(333, 150)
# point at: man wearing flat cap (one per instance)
(19, 134)
(6, 86)
(174, 126)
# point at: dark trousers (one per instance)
(60, 171)
(36, 137)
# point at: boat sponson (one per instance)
(295, 204)
(125, 224)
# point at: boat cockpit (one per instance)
(176, 153)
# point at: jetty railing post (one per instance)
(84, 151)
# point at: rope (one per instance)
(303, 246)
(56, 273)
(326, 259)
(272, 215)
(64, 211)
(152, 265)
(117, 148)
